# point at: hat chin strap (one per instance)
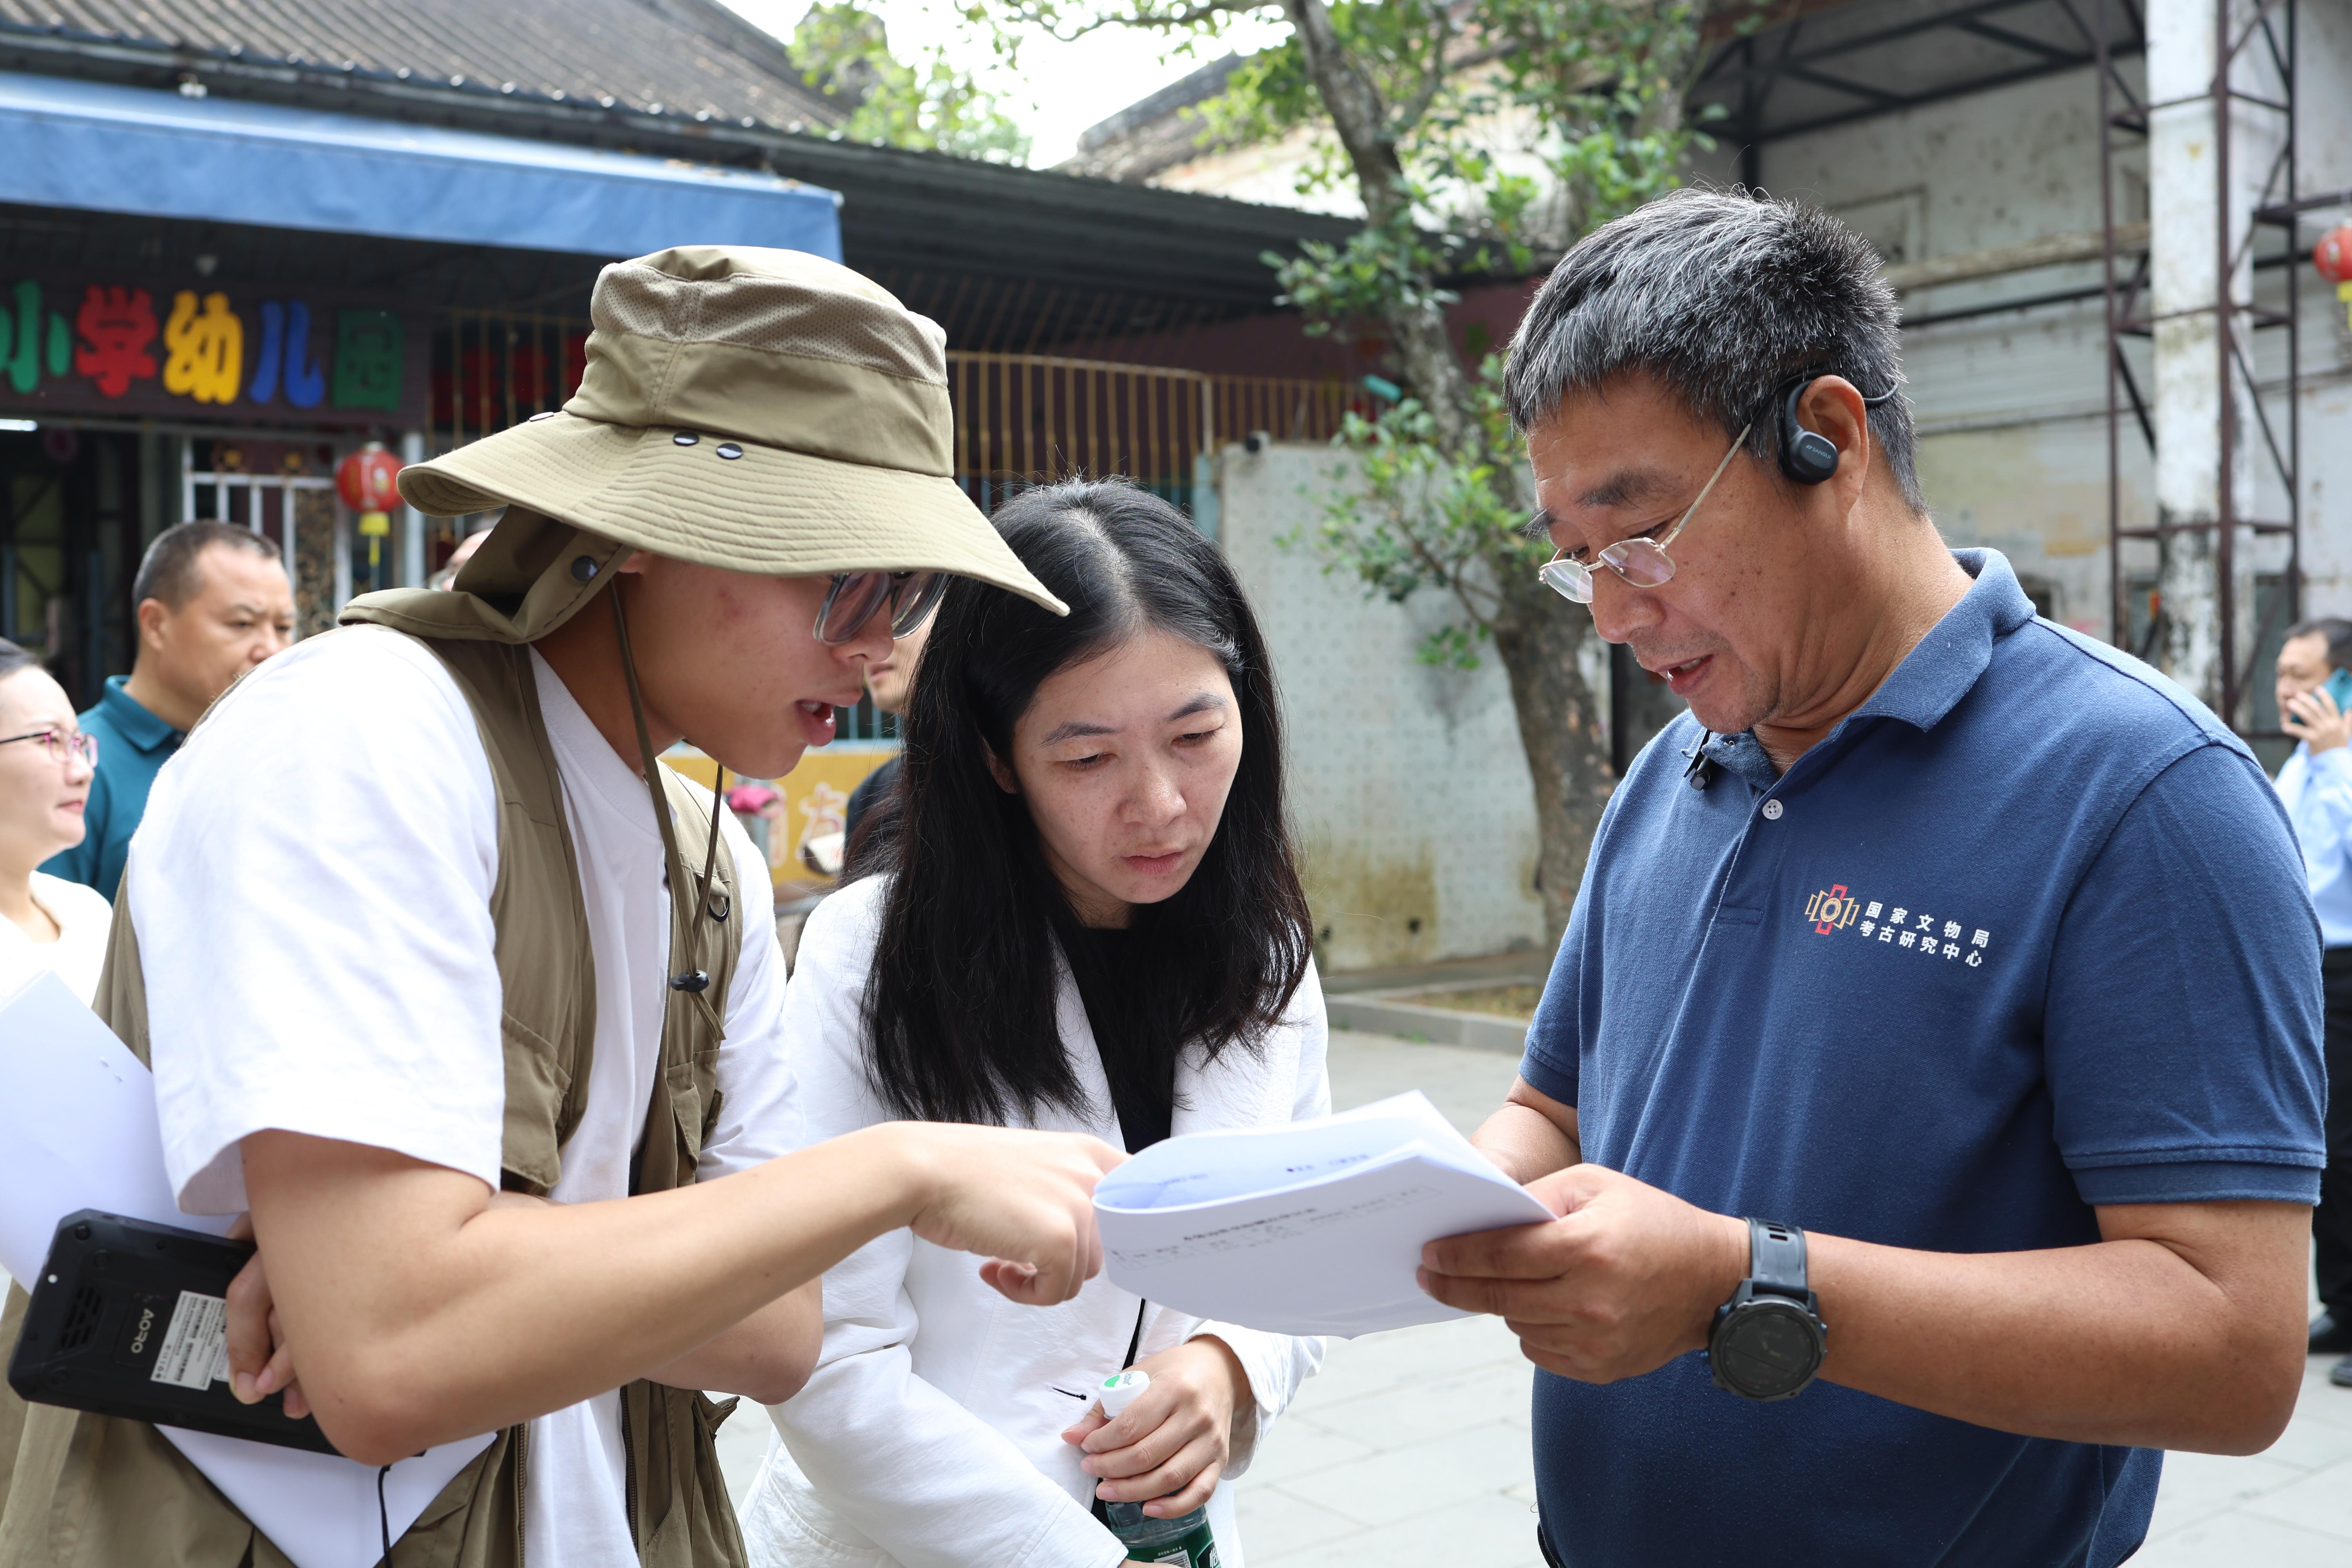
(694, 982)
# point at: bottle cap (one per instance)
(1118, 1390)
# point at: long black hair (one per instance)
(960, 1005)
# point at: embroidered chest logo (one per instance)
(1835, 908)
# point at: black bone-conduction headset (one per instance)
(1807, 457)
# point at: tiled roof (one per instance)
(692, 59)
(1153, 134)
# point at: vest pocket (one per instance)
(535, 1125)
(694, 1097)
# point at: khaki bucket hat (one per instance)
(758, 410)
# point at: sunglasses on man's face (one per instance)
(854, 597)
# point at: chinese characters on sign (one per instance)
(116, 325)
(120, 347)
(1833, 909)
(207, 350)
(27, 346)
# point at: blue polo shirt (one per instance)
(133, 747)
(2025, 933)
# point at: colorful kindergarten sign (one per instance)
(248, 355)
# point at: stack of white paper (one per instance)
(1311, 1228)
(78, 1130)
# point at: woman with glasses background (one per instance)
(45, 766)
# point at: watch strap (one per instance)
(1775, 1258)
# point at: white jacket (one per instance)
(929, 1435)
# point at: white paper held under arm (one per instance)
(1311, 1228)
(78, 1130)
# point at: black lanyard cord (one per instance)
(383, 1514)
(1134, 1343)
(1135, 1340)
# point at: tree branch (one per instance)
(1354, 104)
(1433, 82)
(1455, 582)
(1143, 19)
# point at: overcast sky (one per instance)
(1063, 88)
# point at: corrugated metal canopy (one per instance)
(1019, 259)
(1822, 63)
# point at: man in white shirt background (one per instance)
(2317, 785)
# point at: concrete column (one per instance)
(411, 572)
(2189, 186)
(343, 547)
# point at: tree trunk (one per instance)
(1537, 635)
(1561, 733)
(1425, 350)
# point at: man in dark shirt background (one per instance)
(1967, 945)
(213, 602)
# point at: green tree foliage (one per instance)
(1482, 136)
(845, 53)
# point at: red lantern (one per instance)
(367, 479)
(2333, 254)
(2333, 257)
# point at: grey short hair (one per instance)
(1722, 298)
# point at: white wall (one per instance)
(2012, 406)
(1408, 786)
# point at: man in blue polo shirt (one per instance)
(1967, 958)
(212, 602)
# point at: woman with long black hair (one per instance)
(1088, 916)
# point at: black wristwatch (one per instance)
(1769, 1339)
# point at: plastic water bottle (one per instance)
(1183, 1542)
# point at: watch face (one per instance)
(1767, 1349)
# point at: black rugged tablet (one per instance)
(128, 1319)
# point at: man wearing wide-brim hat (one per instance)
(444, 979)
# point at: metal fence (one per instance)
(1019, 418)
(492, 369)
(1025, 417)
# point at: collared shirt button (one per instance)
(1772, 811)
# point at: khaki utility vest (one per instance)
(91, 1491)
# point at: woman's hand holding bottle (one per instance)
(1167, 1449)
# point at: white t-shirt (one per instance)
(311, 888)
(84, 918)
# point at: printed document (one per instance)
(78, 1130)
(1315, 1227)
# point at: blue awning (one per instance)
(103, 147)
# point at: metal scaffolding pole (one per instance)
(2253, 73)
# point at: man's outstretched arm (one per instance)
(766, 1358)
(418, 1312)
